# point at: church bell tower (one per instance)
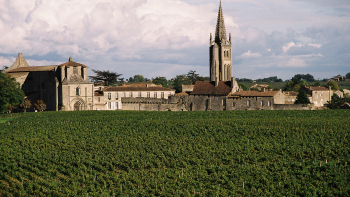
(220, 52)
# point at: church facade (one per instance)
(63, 87)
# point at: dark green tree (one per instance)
(138, 78)
(160, 81)
(317, 83)
(332, 84)
(243, 86)
(336, 101)
(10, 93)
(347, 75)
(181, 80)
(108, 77)
(302, 98)
(192, 76)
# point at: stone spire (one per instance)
(220, 32)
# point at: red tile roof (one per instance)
(290, 93)
(208, 87)
(141, 85)
(317, 88)
(254, 93)
(71, 63)
(136, 89)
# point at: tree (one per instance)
(160, 81)
(40, 105)
(317, 83)
(138, 78)
(302, 98)
(243, 86)
(347, 75)
(332, 84)
(307, 77)
(108, 77)
(336, 101)
(192, 76)
(26, 104)
(10, 93)
(181, 80)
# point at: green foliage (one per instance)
(192, 76)
(26, 104)
(332, 84)
(138, 78)
(160, 81)
(244, 80)
(306, 77)
(302, 98)
(317, 83)
(108, 77)
(347, 75)
(40, 105)
(243, 86)
(128, 153)
(336, 101)
(295, 85)
(181, 80)
(10, 93)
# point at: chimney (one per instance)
(216, 82)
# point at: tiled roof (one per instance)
(181, 94)
(136, 89)
(290, 93)
(141, 85)
(33, 68)
(208, 87)
(317, 88)
(71, 63)
(17, 74)
(254, 93)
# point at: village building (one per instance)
(321, 95)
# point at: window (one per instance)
(269, 103)
(77, 91)
(262, 103)
(116, 95)
(109, 105)
(292, 100)
(99, 99)
(116, 105)
(320, 95)
(124, 94)
(316, 96)
(162, 94)
(131, 95)
(316, 102)
(248, 102)
(207, 104)
(148, 95)
(223, 102)
(155, 95)
(233, 104)
(169, 93)
(139, 94)
(109, 96)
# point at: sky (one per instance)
(171, 37)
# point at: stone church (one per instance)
(63, 87)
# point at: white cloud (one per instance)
(249, 55)
(294, 62)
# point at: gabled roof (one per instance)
(136, 89)
(317, 88)
(71, 63)
(208, 88)
(19, 63)
(146, 84)
(254, 93)
(290, 93)
(220, 31)
(33, 69)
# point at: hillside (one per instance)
(229, 153)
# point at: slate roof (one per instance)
(136, 89)
(208, 88)
(254, 93)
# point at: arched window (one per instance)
(77, 91)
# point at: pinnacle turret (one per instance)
(220, 32)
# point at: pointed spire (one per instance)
(220, 32)
(19, 62)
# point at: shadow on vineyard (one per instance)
(128, 153)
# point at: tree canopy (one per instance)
(307, 77)
(10, 93)
(332, 84)
(336, 102)
(192, 76)
(347, 75)
(160, 81)
(108, 77)
(302, 98)
(181, 80)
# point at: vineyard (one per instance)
(130, 153)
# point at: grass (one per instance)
(3, 120)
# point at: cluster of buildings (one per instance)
(66, 87)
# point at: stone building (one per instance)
(220, 52)
(321, 95)
(114, 98)
(62, 87)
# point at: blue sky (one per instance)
(170, 37)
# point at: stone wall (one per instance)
(293, 107)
